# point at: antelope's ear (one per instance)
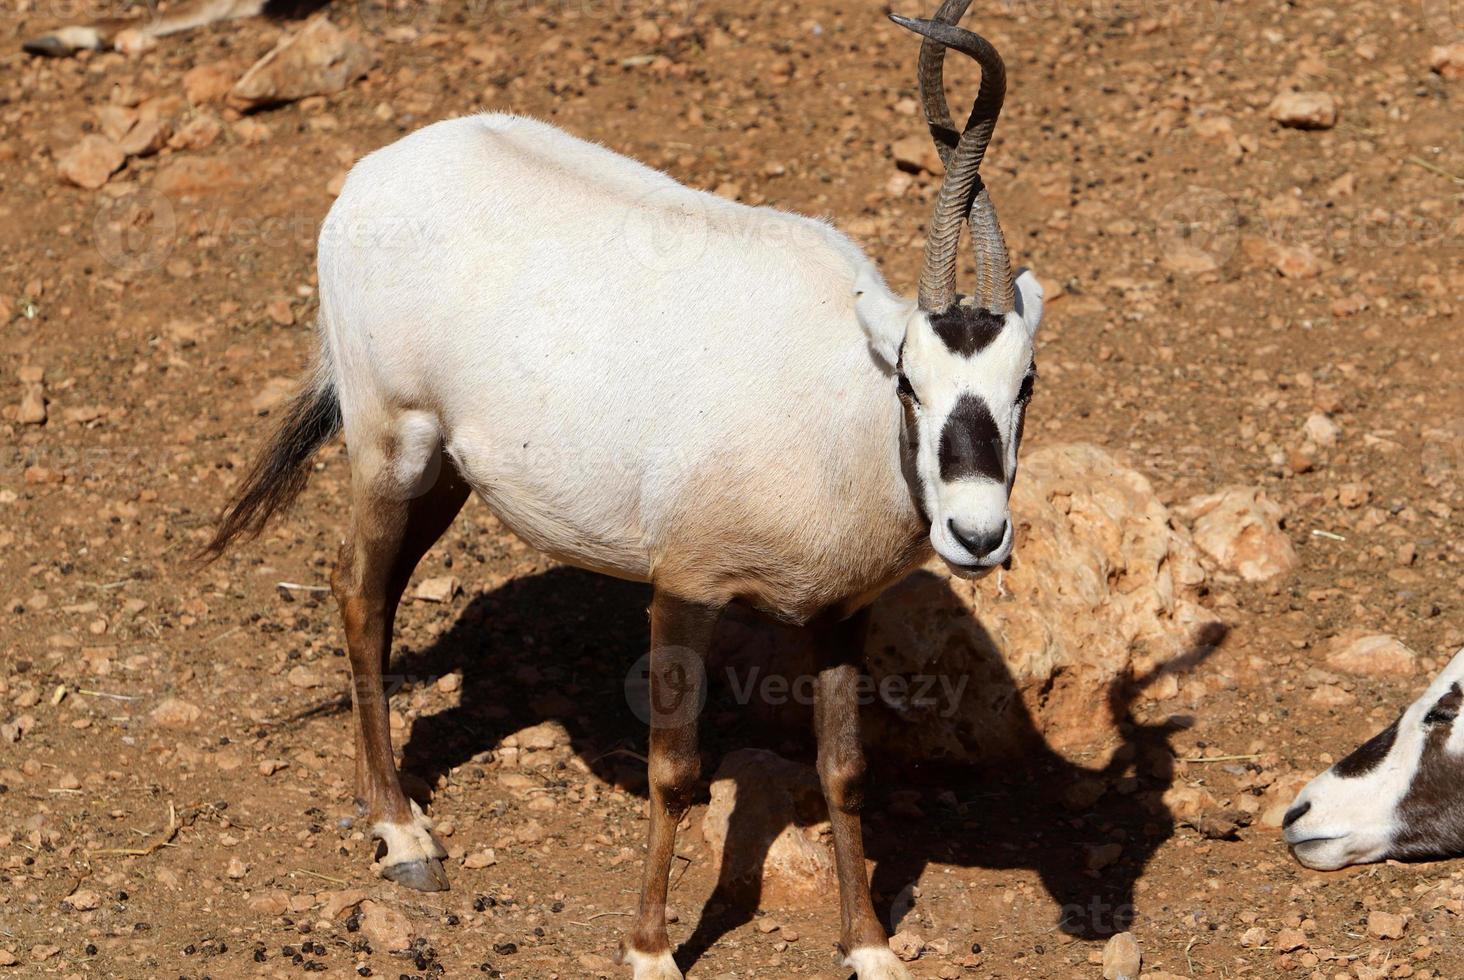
(884, 316)
(1029, 300)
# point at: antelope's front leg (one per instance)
(841, 771)
(680, 634)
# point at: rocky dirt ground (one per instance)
(1249, 218)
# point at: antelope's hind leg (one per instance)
(405, 493)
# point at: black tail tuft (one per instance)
(282, 468)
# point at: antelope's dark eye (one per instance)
(1440, 714)
(902, 385)
(1025, 394)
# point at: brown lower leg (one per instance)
(388, 538)
(680, 635)
(841, 770)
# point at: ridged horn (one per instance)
(962, 194)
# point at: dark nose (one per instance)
(1295, 814)
(980, 544)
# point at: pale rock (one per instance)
(147, 137)
(541, 737)
(1297, 261)
(274, 901)
(1321, 430)
(32, 406)
(199, 133)
(281, 312)
(1331, 696)
(1353, 495)
(7, 958)
(337, 904)
(302, 677)
(276, 392)
(439, 589)
(1371, 655)
(774, 800)
(1122, 957)
(91, 161)
(907, 945)
(386, 928)
(1386, 925)
(175, 713)
(116, 120)
(320, 59)
(1448, 60)
(1240, 527)
(203, 84)
(480, 859)
(236, 869)
(915, 154)
(1304, 110)
(1289, 941)
(83, 900)
(1253, 937)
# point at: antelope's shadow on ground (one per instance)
(558, 645)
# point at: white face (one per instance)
(965, 378)
(1399, 795)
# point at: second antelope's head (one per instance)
(1399, 795)
(963, 364)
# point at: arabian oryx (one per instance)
(1399, 795)
(652, 382)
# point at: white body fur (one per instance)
(638, 378)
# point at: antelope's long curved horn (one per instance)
(963, 191)
(932, 83)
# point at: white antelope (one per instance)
(651, 382)
(1399, 795)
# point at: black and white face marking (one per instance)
(1398, 795)
(965, 377)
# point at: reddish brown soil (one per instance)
(153, 355)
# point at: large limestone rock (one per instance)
(1240, 527)
(319, 60)
(765, 825)
(1104, 586)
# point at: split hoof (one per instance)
(876, 963)
(424, 874)
(649, 966)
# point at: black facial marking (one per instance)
(965, 330)
(970, 443)
(909, 438)
(1446, 708)
(1367, 756)
(1431, 818)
